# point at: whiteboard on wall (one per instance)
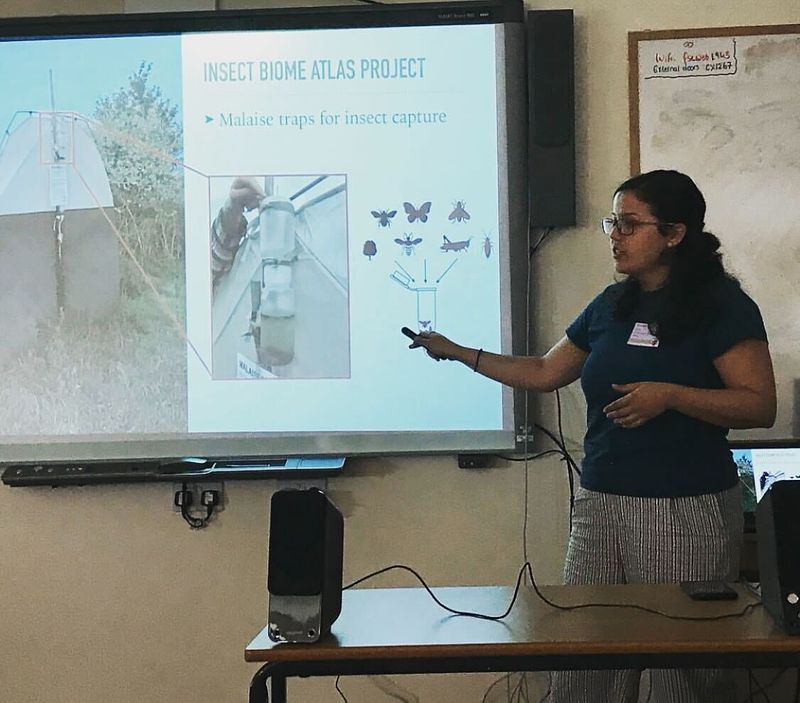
(723, 106)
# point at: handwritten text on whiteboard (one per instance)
(687, 58)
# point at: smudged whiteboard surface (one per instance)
(723, 105)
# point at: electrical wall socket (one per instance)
(473, 461)
(197, 493)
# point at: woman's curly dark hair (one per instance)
(694, 263)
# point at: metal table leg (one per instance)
(278, 687)
(258, 685)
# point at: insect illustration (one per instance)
(459, 213)
(424, 325)
(370, 249)
(487, 246)
(408, 244)
(420, 214)
(447, 245)
(384, 217)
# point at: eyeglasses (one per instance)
(626, 226)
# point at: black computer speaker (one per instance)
(304, 576)
(778, 534)
(551, 115)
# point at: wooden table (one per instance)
(402, 631)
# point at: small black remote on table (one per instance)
(708, 590)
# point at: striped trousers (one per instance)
(625, 539)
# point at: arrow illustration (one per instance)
(438, 280)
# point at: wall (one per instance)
(108, 596)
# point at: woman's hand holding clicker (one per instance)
(438, 346)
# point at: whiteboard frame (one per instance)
(640, 37)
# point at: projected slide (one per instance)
(224, 232)
(763, 466)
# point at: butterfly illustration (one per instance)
(420, 214)
(384, 217)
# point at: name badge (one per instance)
(642, 337)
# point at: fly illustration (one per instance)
(408, 244)
(487, 246)
(459, 213)
(447, 245)
(420, 213)
(384, 217)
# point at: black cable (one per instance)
(533, 457)
(526, 428)
(559, 422)
(549, 688)
(563, 444)
(573, 465)
(636, 606)
(571, 480)
(564, 455)
(504, 677)
(526, 492)
(516, 693)
(769, 684)
(527, 568)
(761, 690)
(197, 523)
(525, 687)
(544, 235)
(480, 616)
(339, 690)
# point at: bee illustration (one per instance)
(459, 213)
(447, 245)
(408, 244)
(487, 246)
(420, 214)
(384, 217)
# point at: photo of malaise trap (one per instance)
(58, 251)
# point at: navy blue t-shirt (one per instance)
(672, 454)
